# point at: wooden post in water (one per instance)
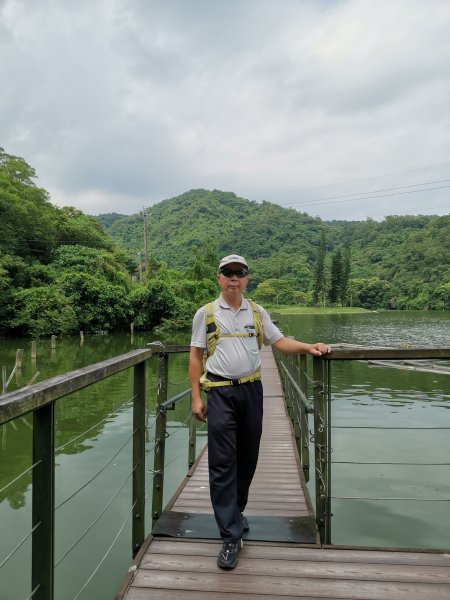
(160, 438)
(81, 338)
(53, 342)
(19, 357)
(43, 502)
(33, 350)
(138, 534)
(4, 387)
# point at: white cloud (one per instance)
(118, 104)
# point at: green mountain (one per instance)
(398, 261)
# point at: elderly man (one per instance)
(230, 331)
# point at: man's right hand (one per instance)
(199, 409)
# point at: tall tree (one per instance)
(336, 277)
(345, 277)
(319, 273)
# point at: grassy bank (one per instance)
(304, 310)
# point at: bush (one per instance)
(43, 311)
(151, 303)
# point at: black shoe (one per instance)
(228, 556)
(245, 524)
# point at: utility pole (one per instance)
(145, 243)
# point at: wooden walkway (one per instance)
(185, 567)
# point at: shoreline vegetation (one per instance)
(318, 310)
(65, 272)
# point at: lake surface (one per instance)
(384, 402)
(361, 396)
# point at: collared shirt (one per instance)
(234, 357)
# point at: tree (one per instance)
(98, 304)
(319, 273)
(371, 293)
(151, 303)
(43, 311)
(345, 275)
(334, 291)
(204, 260)
(274, 291)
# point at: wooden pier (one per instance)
(282, 556)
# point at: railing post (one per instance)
(304, 430)
(43, 502)
(192, 440)
(138, 534)
(160, 438)
(296, 408)
(321, 433)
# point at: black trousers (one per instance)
(234, 433)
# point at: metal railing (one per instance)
(295, 381)
(40, 399)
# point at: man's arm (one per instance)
(291, 346)
(195, 372)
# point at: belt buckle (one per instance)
(234, 381)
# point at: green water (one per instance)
(378, 397)
(360, 396)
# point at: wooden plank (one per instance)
(261, 512)
(277, 568)
(291, 552)
(290, 586)
(136, 593)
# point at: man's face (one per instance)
(233, 284)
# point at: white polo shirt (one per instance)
(234, 357)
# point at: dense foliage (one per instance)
(399, 263)
(59, 271)
(62, 271)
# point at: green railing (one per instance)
(40, 399)
(296, 381)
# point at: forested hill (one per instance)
(401, 262)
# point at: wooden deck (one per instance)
(175, 567)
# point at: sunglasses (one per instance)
(231, 272)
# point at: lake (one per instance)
(92, 425)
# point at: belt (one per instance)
(206, 384)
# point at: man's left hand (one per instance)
(319, 348)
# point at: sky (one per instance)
(336, 108)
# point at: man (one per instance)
(229, 329)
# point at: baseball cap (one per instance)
(232, 258)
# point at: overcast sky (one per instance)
(119, 104)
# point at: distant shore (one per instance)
(305, 310)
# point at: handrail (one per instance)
(40, 400)
(20, 402)
(376, 353)
(169, 404)
(306, 403)
(320, 382)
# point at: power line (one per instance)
(315, 187)
(402, 187)
(372, 197)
